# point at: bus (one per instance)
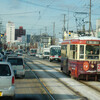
(80, 58)
(55, 53)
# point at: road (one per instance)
(61, 86)
(45, 81)
(29, 88)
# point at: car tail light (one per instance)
(52, 56)
(13, 79)
(60, 56)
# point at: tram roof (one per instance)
(55, 46)
(80, 40)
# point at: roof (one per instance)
(55, 46)
(87, 38)
(4, 63)
(80, 40)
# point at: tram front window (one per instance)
(92, 52)
(56, 51)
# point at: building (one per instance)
(10, 32)
(28, 38)
(98, 27)
(19, 32)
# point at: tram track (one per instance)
(91, 86)
(57, 78)
(43, 85)
(85, 83)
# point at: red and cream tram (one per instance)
(80, 57)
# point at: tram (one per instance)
(80, 58)
(55, 53)
(33, 52)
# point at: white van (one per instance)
(7, 80)
(17, 65)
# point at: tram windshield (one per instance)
(92, 52)
(55, 51)
(33, 51)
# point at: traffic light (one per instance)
(2, 35)
(69, 33)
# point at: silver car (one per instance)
(7, 80)
(17, 65)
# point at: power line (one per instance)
(18, 13)
(35, 4)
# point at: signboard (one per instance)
(93, 42)
(98, 67)
(19, 39)
(45, 40)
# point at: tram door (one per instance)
(65, 59)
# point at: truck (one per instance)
(46, 53)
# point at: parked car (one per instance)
(17, 65)
(7, 80)
(1, 57)
(19, 54)
(40, 55)
(12, 55)
(37, 55)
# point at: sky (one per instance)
(38, 16)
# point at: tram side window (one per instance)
(81, 51)
(72, 51)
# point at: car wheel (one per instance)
(12, 97)
(23, 76)
(50, 60)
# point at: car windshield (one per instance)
(46, 53)
(15, 61)
(4, 70)
(92, 52)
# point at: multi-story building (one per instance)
(10, 32)
(19, 32)
(98, 27)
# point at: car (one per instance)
(37, 55)
(10, 52)
(17, 65)
(19, 54)
(7, 80)
(12, 55)
(40, 55)
(1, 57)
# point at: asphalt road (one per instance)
(29, 88)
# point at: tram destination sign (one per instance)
(92, 42)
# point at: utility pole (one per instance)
(46, 30)
(54, 30)
(68, 22)
(90, 18)
(64, 29)
(79, 17)
(40, 32)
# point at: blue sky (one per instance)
(35, 15)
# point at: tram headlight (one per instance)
(92, 66)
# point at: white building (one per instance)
(10, 32)
(98, 27)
